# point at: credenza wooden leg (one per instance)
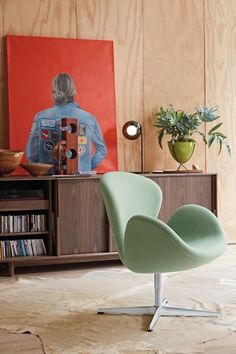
(11, 269)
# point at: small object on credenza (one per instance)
(9, 161)
(65, 152)
(36, 169)
(195, 167)
(182, 171)
(85, 173)
(78, 174)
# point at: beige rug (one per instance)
(61, 308)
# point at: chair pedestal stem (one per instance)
(158, 285)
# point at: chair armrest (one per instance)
(193, 222)
(151, 246)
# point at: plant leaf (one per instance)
(160, 137)
(220, 135)
(229, 150)
(211, 139)
(214, 128)
(202, 135)
(221, 144)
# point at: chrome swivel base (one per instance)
(158, 310)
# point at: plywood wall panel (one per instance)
(40, 18)
(173, 69)
(121, 22)
(221, 91)
(54, 18)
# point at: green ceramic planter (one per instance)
(181, 151)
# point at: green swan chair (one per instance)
(192, 237)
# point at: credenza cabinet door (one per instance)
(186, 189)
(81, 221)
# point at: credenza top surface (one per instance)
(98, 176)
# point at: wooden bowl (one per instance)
(36, 169)
(9, 161)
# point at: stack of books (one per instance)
(22, 248)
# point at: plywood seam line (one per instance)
(2, 6)
(204, 69)
(142, 140)
(76, 19)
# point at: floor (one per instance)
(19, 343)
(59, 320)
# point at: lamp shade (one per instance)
(132, 129)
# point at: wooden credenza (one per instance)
(76, 226)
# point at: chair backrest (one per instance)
(125, 195)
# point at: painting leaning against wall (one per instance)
(50, 78)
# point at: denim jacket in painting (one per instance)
(46, 132)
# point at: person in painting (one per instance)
(46, 129)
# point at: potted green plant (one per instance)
(182, 126)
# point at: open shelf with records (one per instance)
(25, 219)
